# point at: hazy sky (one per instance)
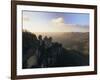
(55, 21)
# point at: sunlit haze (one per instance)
(34, 21)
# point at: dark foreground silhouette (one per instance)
(41, 52)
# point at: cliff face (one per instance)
(64, 50)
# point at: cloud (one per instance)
(58, 20)
(59, 25)
(54, 25)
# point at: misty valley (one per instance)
(54, 49)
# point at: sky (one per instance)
(36, 21)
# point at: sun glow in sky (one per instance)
(35, 21)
